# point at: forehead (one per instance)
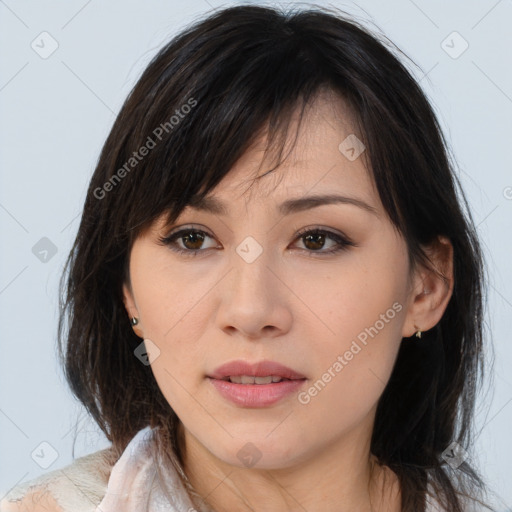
(316, 161)
(313, 165)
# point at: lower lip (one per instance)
(256, 395)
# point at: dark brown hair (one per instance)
(198, 106)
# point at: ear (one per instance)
(430, 291)
(131, 309)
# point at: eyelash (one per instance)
(343, 243)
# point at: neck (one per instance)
(341, 478)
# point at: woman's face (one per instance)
(259, 289)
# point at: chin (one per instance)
(258, 451)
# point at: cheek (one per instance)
(365, 315)
(364, 302)
(370, 293)
(170, 299)
(174, 314)
(177, 371)
(350, 375)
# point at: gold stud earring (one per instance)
(418, 332)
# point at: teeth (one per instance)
(263, 380)
(248, 379)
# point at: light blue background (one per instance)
(56, 113)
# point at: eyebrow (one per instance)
(215, 206)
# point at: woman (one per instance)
(274, 299)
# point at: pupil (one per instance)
(197, 241)
(312, 237)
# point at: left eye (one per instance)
(317, 237)
(314, 240)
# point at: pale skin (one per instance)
(293, 304)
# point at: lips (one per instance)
(259, 369)
(255, 385)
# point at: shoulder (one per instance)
(32, 501)
(77, 487)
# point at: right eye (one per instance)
(191, 240)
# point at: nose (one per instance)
(254, 300)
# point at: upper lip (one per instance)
(258, 369)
